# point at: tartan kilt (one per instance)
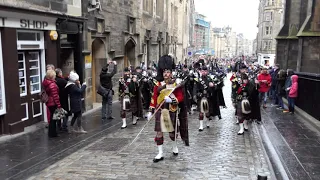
(240, 115)
(157, 127)
(122, 112)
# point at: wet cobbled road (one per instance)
(215, 153)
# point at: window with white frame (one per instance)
(268, 16)
(272, 2)
(268, 30)
(34, 72)
(267, 45)
(22, 74)
(2, 88)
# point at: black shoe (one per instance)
(123, 127)
(186, 142)
(110, 118)
(208, 127)
(246, 129)
(157, 160)
(134, 124)
(220, 117)
(175, 154)
(54, 136)
(241, 133)
(200, 130)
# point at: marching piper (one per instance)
(167, 95)
(243, 103)
(203, 91)
(130, 99)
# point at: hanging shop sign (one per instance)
(27, 21)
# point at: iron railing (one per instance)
(309, 93)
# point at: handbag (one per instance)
(44, 98)
(103, 91)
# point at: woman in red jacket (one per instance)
(53, 103)
(264, 81)
(293, 93)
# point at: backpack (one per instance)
(44, 98)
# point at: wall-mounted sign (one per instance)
(27, 21)
(88, 61)
(53, 35)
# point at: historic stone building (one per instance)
(269, 24)
(132, 32)
(298, 48)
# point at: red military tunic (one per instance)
(178, 93)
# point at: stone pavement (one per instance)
(215, 153)
(296, 142)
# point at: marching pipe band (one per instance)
(168, 93)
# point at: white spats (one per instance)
(175, 148)
(124, 123)
(207, 121)
(201, 125)
(245, 125)
(160, 154)
(134, 121)
(241, 129)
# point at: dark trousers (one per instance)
(77, 116)
(52, 130)
(291, 104)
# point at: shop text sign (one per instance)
(26, 21)
(30, 24)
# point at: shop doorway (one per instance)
(130, 54)
(99, 60)
(30, 86)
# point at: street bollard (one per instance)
(262, 177)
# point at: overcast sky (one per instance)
(241, 15)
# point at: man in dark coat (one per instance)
(106, 75)
(62, 82)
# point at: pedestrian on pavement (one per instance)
(49, 67)
(274, 84)
(63, 94)
(75, 91)
(281, 80)
(53, 102)
(106, 75)
(288, 84)
(293, 93)
(265, 82)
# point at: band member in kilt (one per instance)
(243, 104)
(166, 102)
(204, 90)
(130, 99)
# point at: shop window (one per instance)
(22, 74)
(2, 88)
(34, 72)
(28, 36)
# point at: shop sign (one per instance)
(88, 61)
(27, 21)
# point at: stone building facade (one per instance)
(132, 32)
(269, 24)
(299, 38)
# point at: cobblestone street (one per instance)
(215, 153)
